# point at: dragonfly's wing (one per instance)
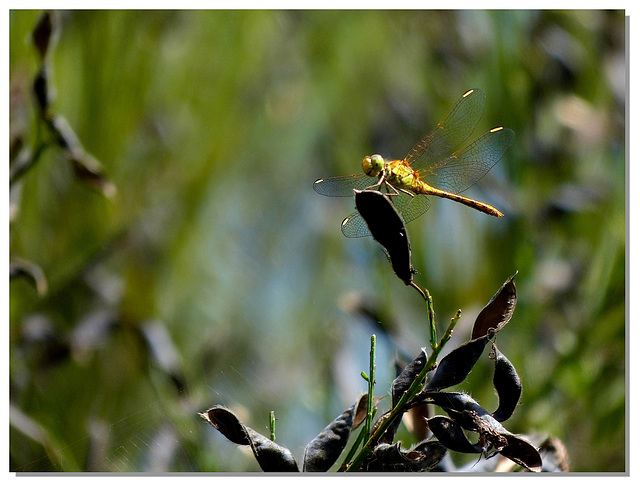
(354, 226)
(449, 133)
(343, 185)
(467, 166)
(415, 208)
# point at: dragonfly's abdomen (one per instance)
(478, 205)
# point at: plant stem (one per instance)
(272, 425)
(432, 321)
(413, 390)
(371, 381)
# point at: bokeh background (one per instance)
(216, 275)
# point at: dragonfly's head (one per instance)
(372, 165)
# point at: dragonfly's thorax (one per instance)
(372, 165)
(402, 176)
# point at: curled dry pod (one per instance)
(323, 451)
(392, 458)
(451, 435)
(466, 413)
(498, 311)
(432, 452)
(387, 228)
(398, 388)
(456, 365)
(270, 456)
(507, 385)
(407, 376)
(522, 452)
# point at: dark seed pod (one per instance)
(387, 228)
(456, 365)
(498, 311)
(507, 385)
(270, 456)
(392, 458)
(407, 376)
(451, 435)
(323, 451)
(522, 452)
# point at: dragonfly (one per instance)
(433, 167)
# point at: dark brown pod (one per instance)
(323, 451)
(507, 385)
(270, 456)
(388, 229)
(456, 365)
(498, 311)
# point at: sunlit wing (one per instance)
(449, 133)
(415, 208)
(342, 185)
(354, 226)
(467, 166)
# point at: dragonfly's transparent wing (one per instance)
(418, 205)
(354, 226)
(342, 185)
(467, 166)
(449, 133)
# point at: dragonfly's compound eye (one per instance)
(372, 165)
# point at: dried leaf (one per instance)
(415, 420)
(507, 385)
(387, 228)
(455, 366)
(323, 451)
(361, 410)
(498, 311)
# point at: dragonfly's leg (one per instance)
(391, 190)
(381, 179)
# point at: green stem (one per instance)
(372, 381)
(414, 389)
(272, 425)
(432, 320)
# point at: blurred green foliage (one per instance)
(217, 275)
